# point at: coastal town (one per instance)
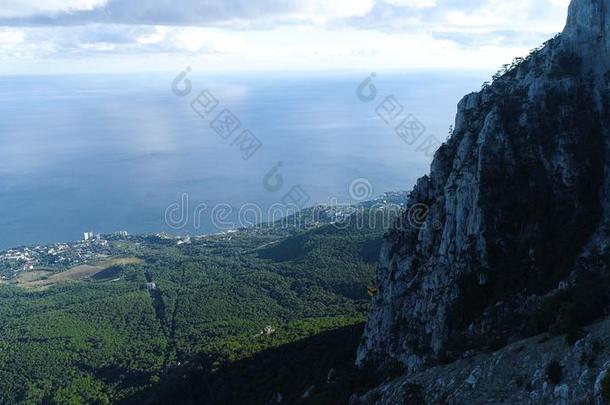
(60, 255)
(98, 247)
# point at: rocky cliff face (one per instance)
(515, 374)
(519, 209)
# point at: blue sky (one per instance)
(79, 36)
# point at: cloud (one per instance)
(26, 8)
(103, 39)
(412, 3)
(192, 39)
(439, 18)
(275, 33)
(185, 12)
(463, 15)
(500, 22)
(528, 15)
(11, 37)
(560, 3)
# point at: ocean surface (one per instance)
(111, 153)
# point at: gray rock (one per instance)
(597, 388)
(519, 203)
(513, 375)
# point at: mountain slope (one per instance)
(123, 327)
(516, 237)
(540, 369)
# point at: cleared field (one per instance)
(41, 279)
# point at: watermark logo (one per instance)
(248, 144)
(225, 123)
(381, 213)
(360, 189)
(410, 130)
(417, 217)
(181, 86)
(177, 214)
(296, 196)
(204, 104)
(273, 180)
(391, 112)
(366, 91)
(228, 127)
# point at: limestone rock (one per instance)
(518, 203)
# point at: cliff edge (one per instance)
(516, 237)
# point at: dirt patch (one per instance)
(42, 279)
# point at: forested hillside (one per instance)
(110, 331)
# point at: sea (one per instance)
(192, 153)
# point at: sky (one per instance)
(123, 36)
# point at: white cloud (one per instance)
(24, 8)
(320, 11)
(560, 3)
(155, 37)
(412, 3)
(11, 36)
(275, 34)
(184, 12)
(489, 16)
(198, 39)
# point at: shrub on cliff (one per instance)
(571, 309)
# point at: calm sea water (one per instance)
(109, 153)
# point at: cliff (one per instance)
(516, 237)
(520, 373)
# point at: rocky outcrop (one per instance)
(518, 209)
(588, 29)
(520, 373)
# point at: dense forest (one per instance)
(121, 334)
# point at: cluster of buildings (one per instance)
(185, 240)
(89, 236)
(58, 255)
(23, 259)
(26, 258)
